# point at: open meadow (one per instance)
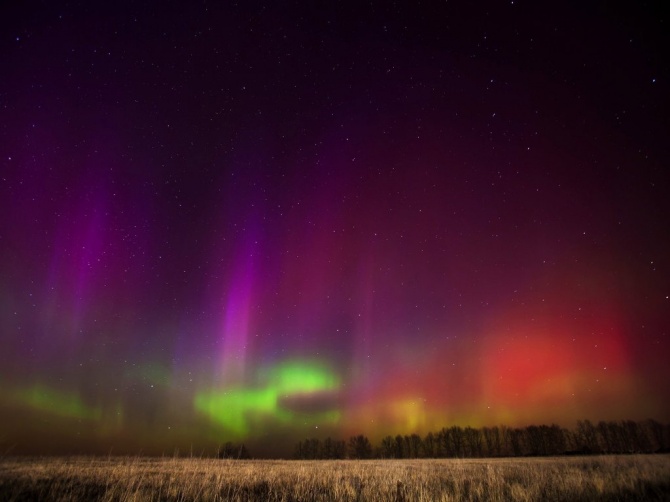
(620, 478)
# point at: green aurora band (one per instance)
(235, 408)
(63, 404)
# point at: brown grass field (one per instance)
(620, 478)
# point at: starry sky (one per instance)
(267, 221)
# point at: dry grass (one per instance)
(621, 478)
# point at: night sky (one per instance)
(265, 222)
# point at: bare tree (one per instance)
(430, 446)
(587, 436)
(413, 445)
(515, 439)
(456, 440)
(473, 442)
(656, 434)
(388, 447)
(360, 447)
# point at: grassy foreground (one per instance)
(621, 478)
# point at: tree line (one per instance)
(626, 436)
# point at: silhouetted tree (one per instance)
(299, 451)
(333, 449)
(637, 439)
(607, 437)
(537, 440)
(544, 440)
(506, 441)
(487, 433)
(388, 447)
(587, 437)
(360, 447)
(657, 436)
(493, 441)
(533, 440)
(231, 450)
(399, 447)
(313, 447)
(444, 443)
(413, 446)
(456, 436)
(555, 440)
(430, 449)
(515, 439)
(473, 442)
(339, 449)
(620, 438)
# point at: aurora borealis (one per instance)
(264, 222)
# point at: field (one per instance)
(621, 478)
